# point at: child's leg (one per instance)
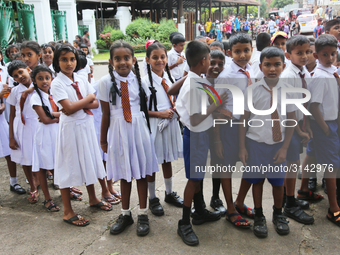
(257, 197)
(151, 185)
(170, 196)
(192, 188)
(216, 182)
(125, 189)
(106, 194)
(330, 179)
(12, 169)
(143, 220)
(43, 183)
(94, 201)
(280, 221)
(142, 187)
(242, 193)
(110, 185)
(68, 211)
(30, 178)
(278, 196)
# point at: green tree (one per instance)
(281, 3)
(263, 8)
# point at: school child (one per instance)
(262, 41)
(324, 107)
(11, 51)
(176, 57)
(296, 75)
(47, 57)
(239, 73)
(83, 71)
(279, 39)
(164, 125)
(267, 145)
(196, 135)
(89, 65)
(145, 68)
(77, 158)
(186, 66)
(22, 124)
(125, 135)
(31, 53)
(47, 130)
(76, 44)
(312, 61)
(4, 81)
(227, 59)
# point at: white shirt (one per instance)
(163, 102)
(176, 72)
(84, 73)
(287, 62)
(3, 75)
(35, 100)
(145, 68)
(292, 77)
(61, 89)
(325, 91)
(227, 61)
(232, 75)
(189, 102)
(261, 99)
(255, 65)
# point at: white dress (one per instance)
(45, 138)
(4, 137)
(131, 152)
(3, 76)
(23, 134)
(77, 156)
(168, 142)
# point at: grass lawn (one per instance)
(106, 56)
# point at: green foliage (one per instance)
(107, 29)
(139, 28)
(117, 35)
(141, 47)
(166, 27)
(108, 36)
(281, 3)
(101, 44)
(263, 8)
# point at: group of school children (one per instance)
(54, 124)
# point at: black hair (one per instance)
(8, 50)
(262, 41)
(239, 38)
(262, 22)
(173, 34)
(82, 46)
(80, 38)
(17, 55)
(114, 90)
(31, 45)
(2, 59)
(178, 39)
(226, 45)
(82, 59)
(331, 24)
(195, 51)
(15, 65)
(57, 53)
(76, 42)
(85, 32)
(311, 41)
(53, 43)
(35, 71)
(217, 44)
(338, 57)
(272, 51)
(217, 54)
(199, 37)
(63, 41)
(47, 45)
(325, 40)
(294, 41)
(153, 98)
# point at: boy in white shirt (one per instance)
(262, 41)
(324, 107)
(267, 145)
(176, 57)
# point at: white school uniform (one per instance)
(131, 152)
(145, 67)
(255, 65)
(88, 66)
(77, 157)
(325, 91)
(292, 77)
(176, 72)
(23, 134)
(234, 76)
(45, 137)
(84, 73)
(168, 142)
(189, 102)
(227, 61)
(261, 99)
(4, 75)
(4, 137)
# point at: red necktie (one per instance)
(79, 95)
(276, 129)
(166, 87)
(304, 85)
(126, 101)
(53, 105)
(248, 76)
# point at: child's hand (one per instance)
(5, 90)
(104, 147)
(1, 109)
(223, 97)
(243, 155)
(280, 156)
(167, 114)
(180, 60)
(304, 137)
(219, 149)
(65, 112)
(13, 144)
(309, 131)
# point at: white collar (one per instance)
(296, 70)
(67, 81)
(236, 68)
(193, 75)
(264, 83)
(44, 94)
(330, 70)
(158, 79)
(131, 76)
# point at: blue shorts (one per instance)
(260, 156)
(326, 148)
(310, 148)
(230, 141)
(295, 148)
(195, 150)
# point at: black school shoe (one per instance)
(187, 234)
(312, 184)
(302, 203)
(17, 189)
(143, 227)
(217, 205)
(260, 227)
(121, 223)
(281, 224)
(296, 213)
(174, 199)
(198, 219)
(155, 207)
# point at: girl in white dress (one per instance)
(77, 156)
(22, 124)
(46, 134)
(164, 125)
(125, 135)
(47, 57)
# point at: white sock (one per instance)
(143, 211)
(126, 212)
(168, 185)
(152, 189)
(13, 180)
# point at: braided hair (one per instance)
(153, 98)
(36, 70)
(114, 90)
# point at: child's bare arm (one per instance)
(43, 117)
(167, 114)
(93, 105)
(243, 154)
(2, 106)
(174, 89)
(12, 143)
(72, 107)
(315, 111)
(105, 124)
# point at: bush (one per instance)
(166, 27)
(117, 35)
(101, 44)
(108, 36)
